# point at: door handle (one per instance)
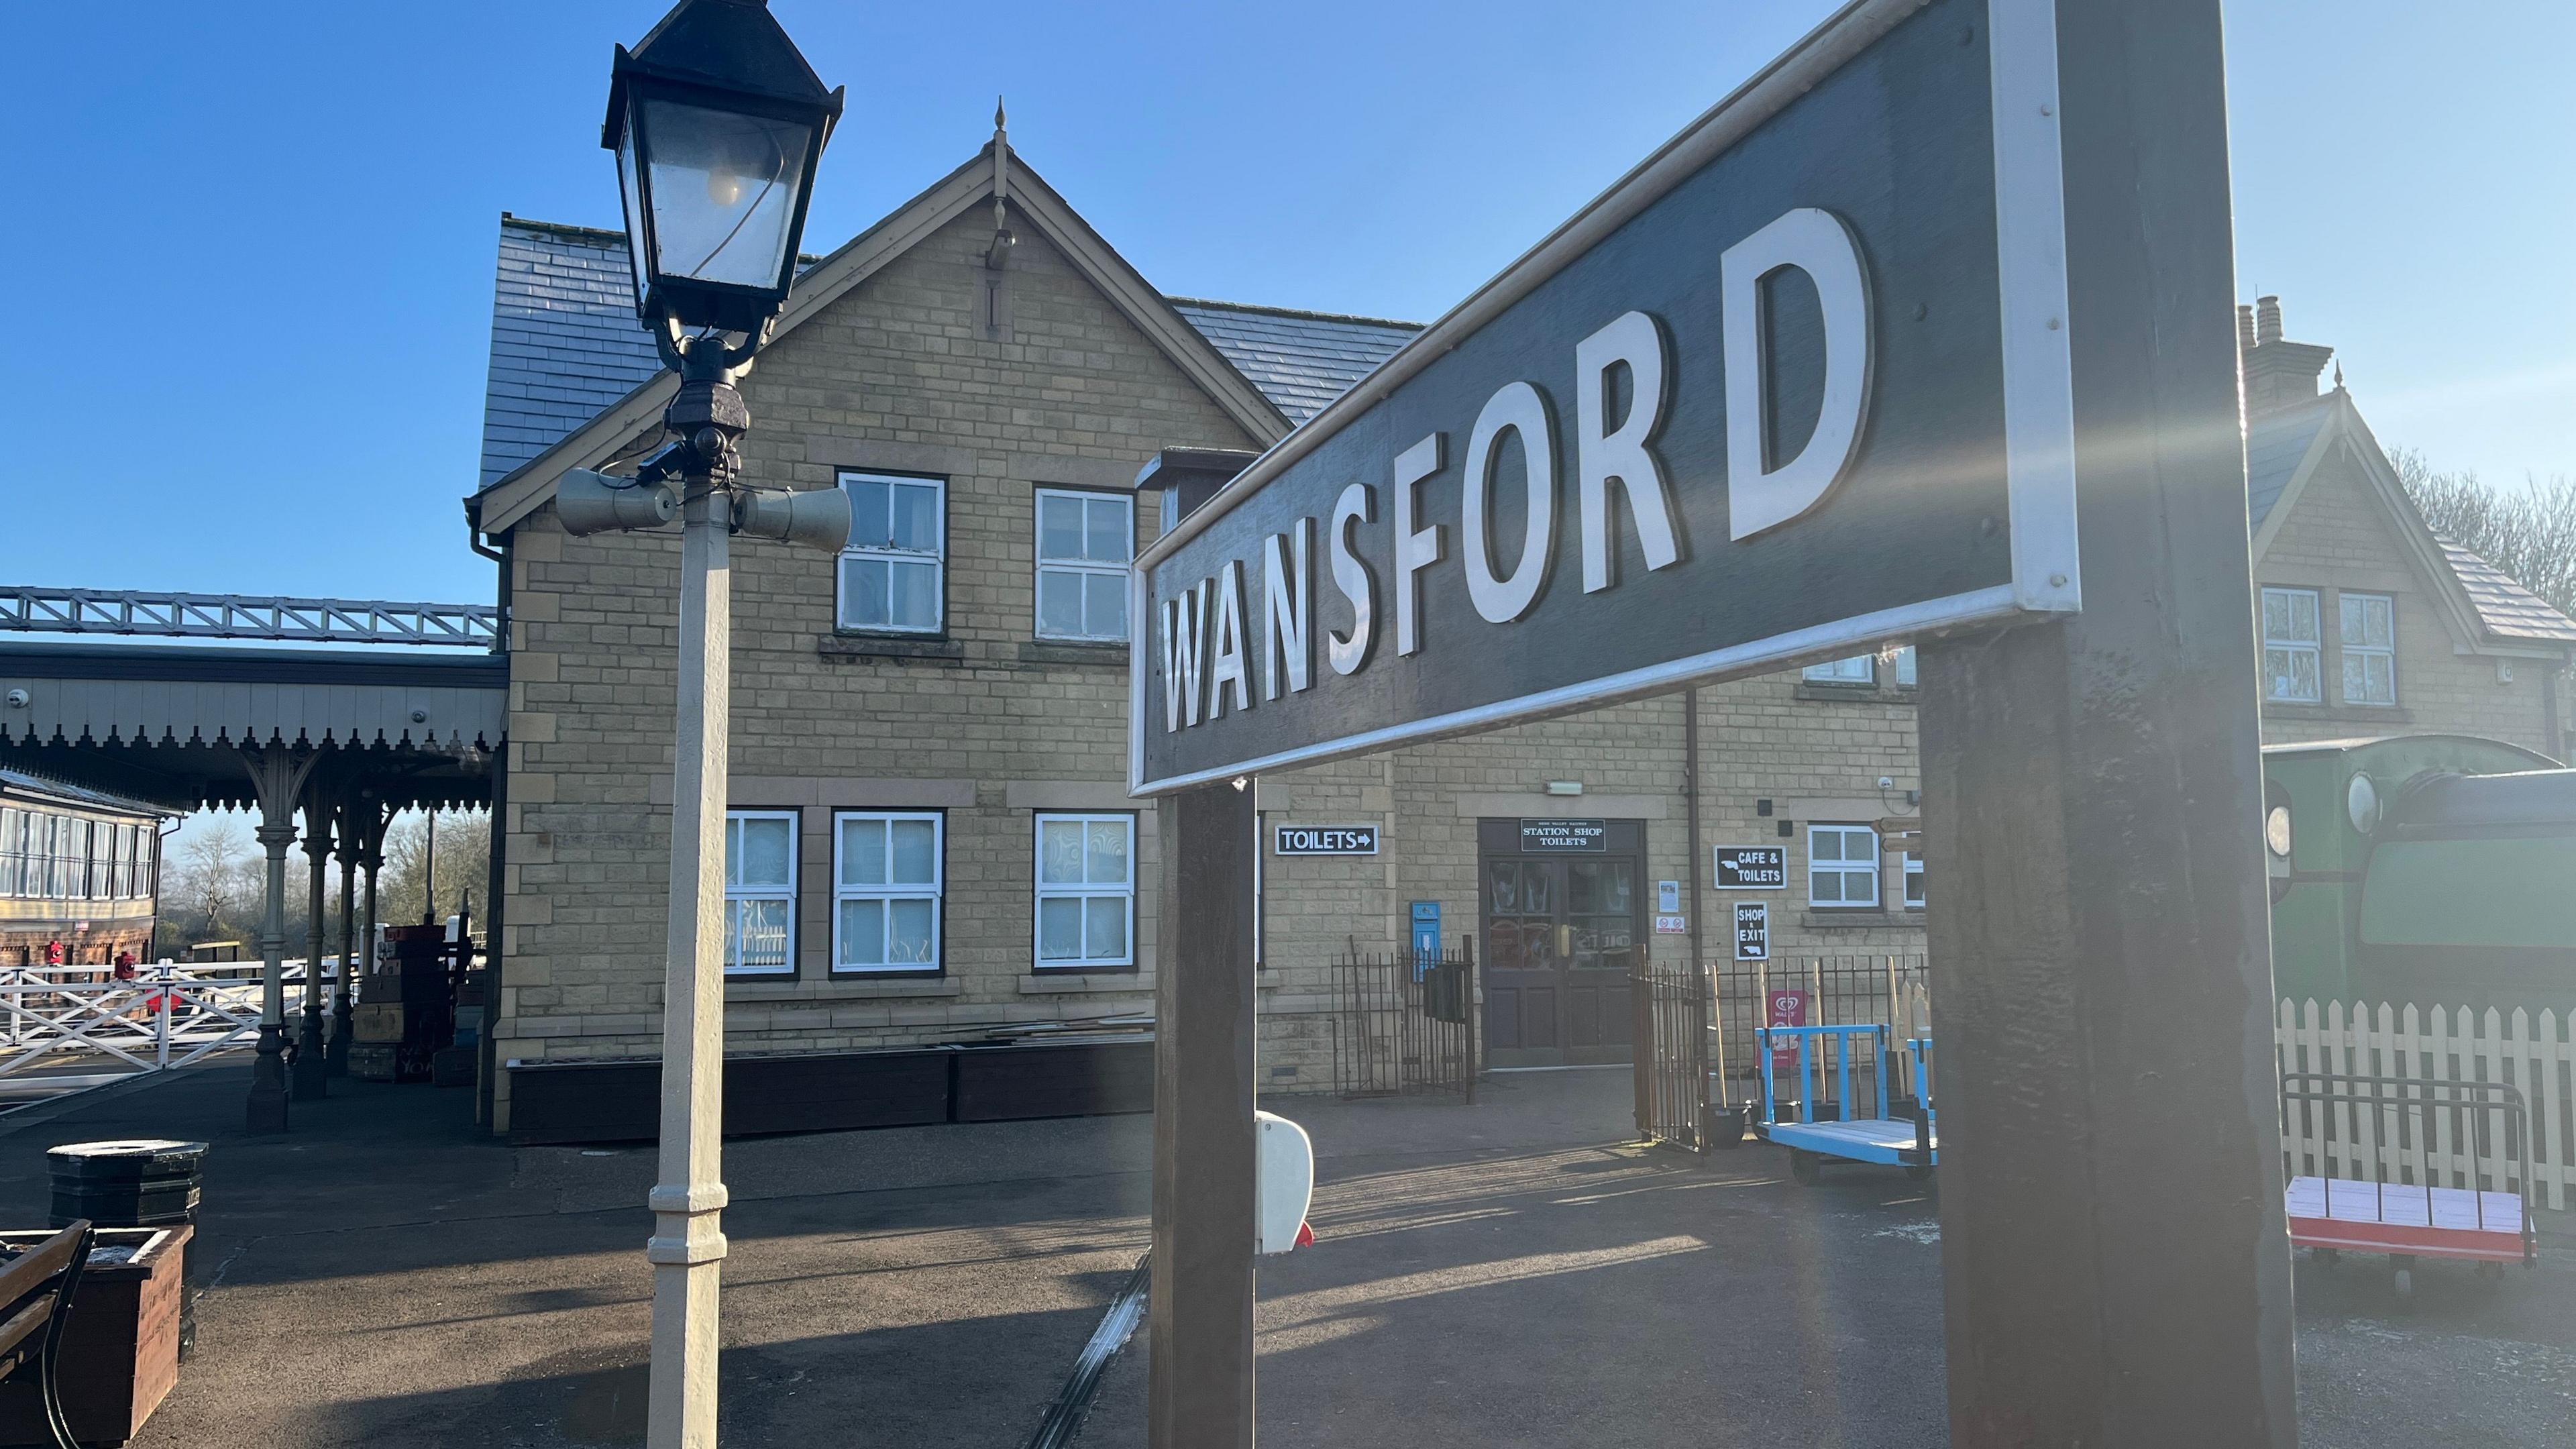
(1565, 943)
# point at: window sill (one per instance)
(2370, 714)
(890, 646)
(1102, 655)
(1810, 689)
(1816, 920)
(844, 985)
(1065, 983)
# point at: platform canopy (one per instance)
(174, 725)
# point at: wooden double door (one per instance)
(1561, 928)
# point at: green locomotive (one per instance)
(2424, 869)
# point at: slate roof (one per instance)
(1299, 360)
(2506, 608)
(565, 343)
(2275, 445)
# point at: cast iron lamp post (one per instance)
(717, 123)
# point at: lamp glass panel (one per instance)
(724, 192)
(633, 198)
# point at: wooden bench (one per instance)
(36, 1289)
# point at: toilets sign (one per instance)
(1795, 388)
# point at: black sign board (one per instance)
(1794, 388)
(1752, 868)
(1544, 836)
(1324, 840)
(1752, 931)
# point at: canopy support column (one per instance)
(311, 1074)
(277, 774)
(335, 1053)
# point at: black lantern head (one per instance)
(717, 122)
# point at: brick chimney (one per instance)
(2278, 373)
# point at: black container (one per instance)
(138, 1183)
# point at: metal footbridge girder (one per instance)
(240, 616)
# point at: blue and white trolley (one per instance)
(1910, 1142)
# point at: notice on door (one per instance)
(1752, 868)
(1547, 836)
(1752, 931)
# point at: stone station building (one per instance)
(930, 833)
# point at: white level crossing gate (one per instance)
(168, 1016)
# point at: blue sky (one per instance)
(248, 355)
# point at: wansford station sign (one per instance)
(1796, 387)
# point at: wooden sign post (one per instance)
(1922, 336)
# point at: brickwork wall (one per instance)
(2339, 536)
(893, 377)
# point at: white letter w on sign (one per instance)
(1184, 651)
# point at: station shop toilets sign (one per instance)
(1794, 388)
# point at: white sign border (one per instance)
(2038, 386)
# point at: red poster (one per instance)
(1787, 1007)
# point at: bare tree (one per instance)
(464, 861)
(2530, 534)
(211, 879)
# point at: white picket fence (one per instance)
(2518, 1049)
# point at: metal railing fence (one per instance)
(1405, 1022)
(1890, 989)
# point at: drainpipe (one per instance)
(1698, 945)
(1690, 814)
(2555, 744)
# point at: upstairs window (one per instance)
(893, 574)
(2290, 647)
(760, 892)
(1842, 866)
(2369, 646)
(1084, 543)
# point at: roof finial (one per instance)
(2338, 374)
(1000, 251)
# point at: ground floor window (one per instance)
(1842, 866)
(760, 892)
(1913, 880)
(1086, 869)
(886, 882)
